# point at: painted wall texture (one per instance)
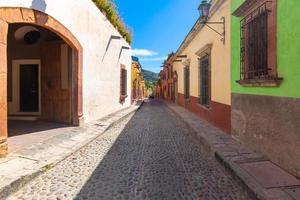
(195, 43)
(136, 81)
(220, 59)
(101, 68)
(267, 118)
(288, 51)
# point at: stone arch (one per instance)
(10, 15)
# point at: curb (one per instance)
(14, 186)
(213, 144)
(248, 184)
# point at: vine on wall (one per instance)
(108, 8)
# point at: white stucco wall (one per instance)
(101, 78)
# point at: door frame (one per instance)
(10, 15)
(14, 105)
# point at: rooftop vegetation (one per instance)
(108, 8)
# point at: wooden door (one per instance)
(56, 98)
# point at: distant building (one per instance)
(138, 88)
(168, 83)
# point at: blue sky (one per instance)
(159, 26)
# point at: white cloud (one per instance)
(154, 59)
(143, 52)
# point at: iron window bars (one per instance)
(204, 87)
(187, 82)
(123, 82)
(254, 45)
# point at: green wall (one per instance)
(288, 51)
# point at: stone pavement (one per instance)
(19, 167)
(150, 155)
(25, 133)
(262, 179)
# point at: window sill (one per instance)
(261, 82)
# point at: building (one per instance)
(138, 87)
(168, 82)
(265, 79)
(166, 78)
(201, 67)
(158, 89)
(144, 89)
(62, 67)
(164, 82)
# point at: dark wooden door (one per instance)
(29, 88)
(56, 100)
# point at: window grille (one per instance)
(123, 82)
(204, 82)
(187, 82)
(254, 45)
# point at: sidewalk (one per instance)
(18, 168)
(262, 179)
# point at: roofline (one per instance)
(197, 27)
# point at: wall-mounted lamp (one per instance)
(182, 56)
(177, 61)
(204, 9)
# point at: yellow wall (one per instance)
(220, 59)
(136, 74)
(133, 74)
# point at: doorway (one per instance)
(39, 100)
(25, 88)
(29, 88)
(175, 78)
(25, 38)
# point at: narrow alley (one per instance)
(149, 155)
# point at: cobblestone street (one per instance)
(150, 155)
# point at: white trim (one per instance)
(14, 105)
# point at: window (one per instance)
(187, 82)
(258, 42)
(204, 82)
(254, 45)
(123, 86)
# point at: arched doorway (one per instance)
(40, 70)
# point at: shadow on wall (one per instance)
(39, 5)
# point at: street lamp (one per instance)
(204, 9)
